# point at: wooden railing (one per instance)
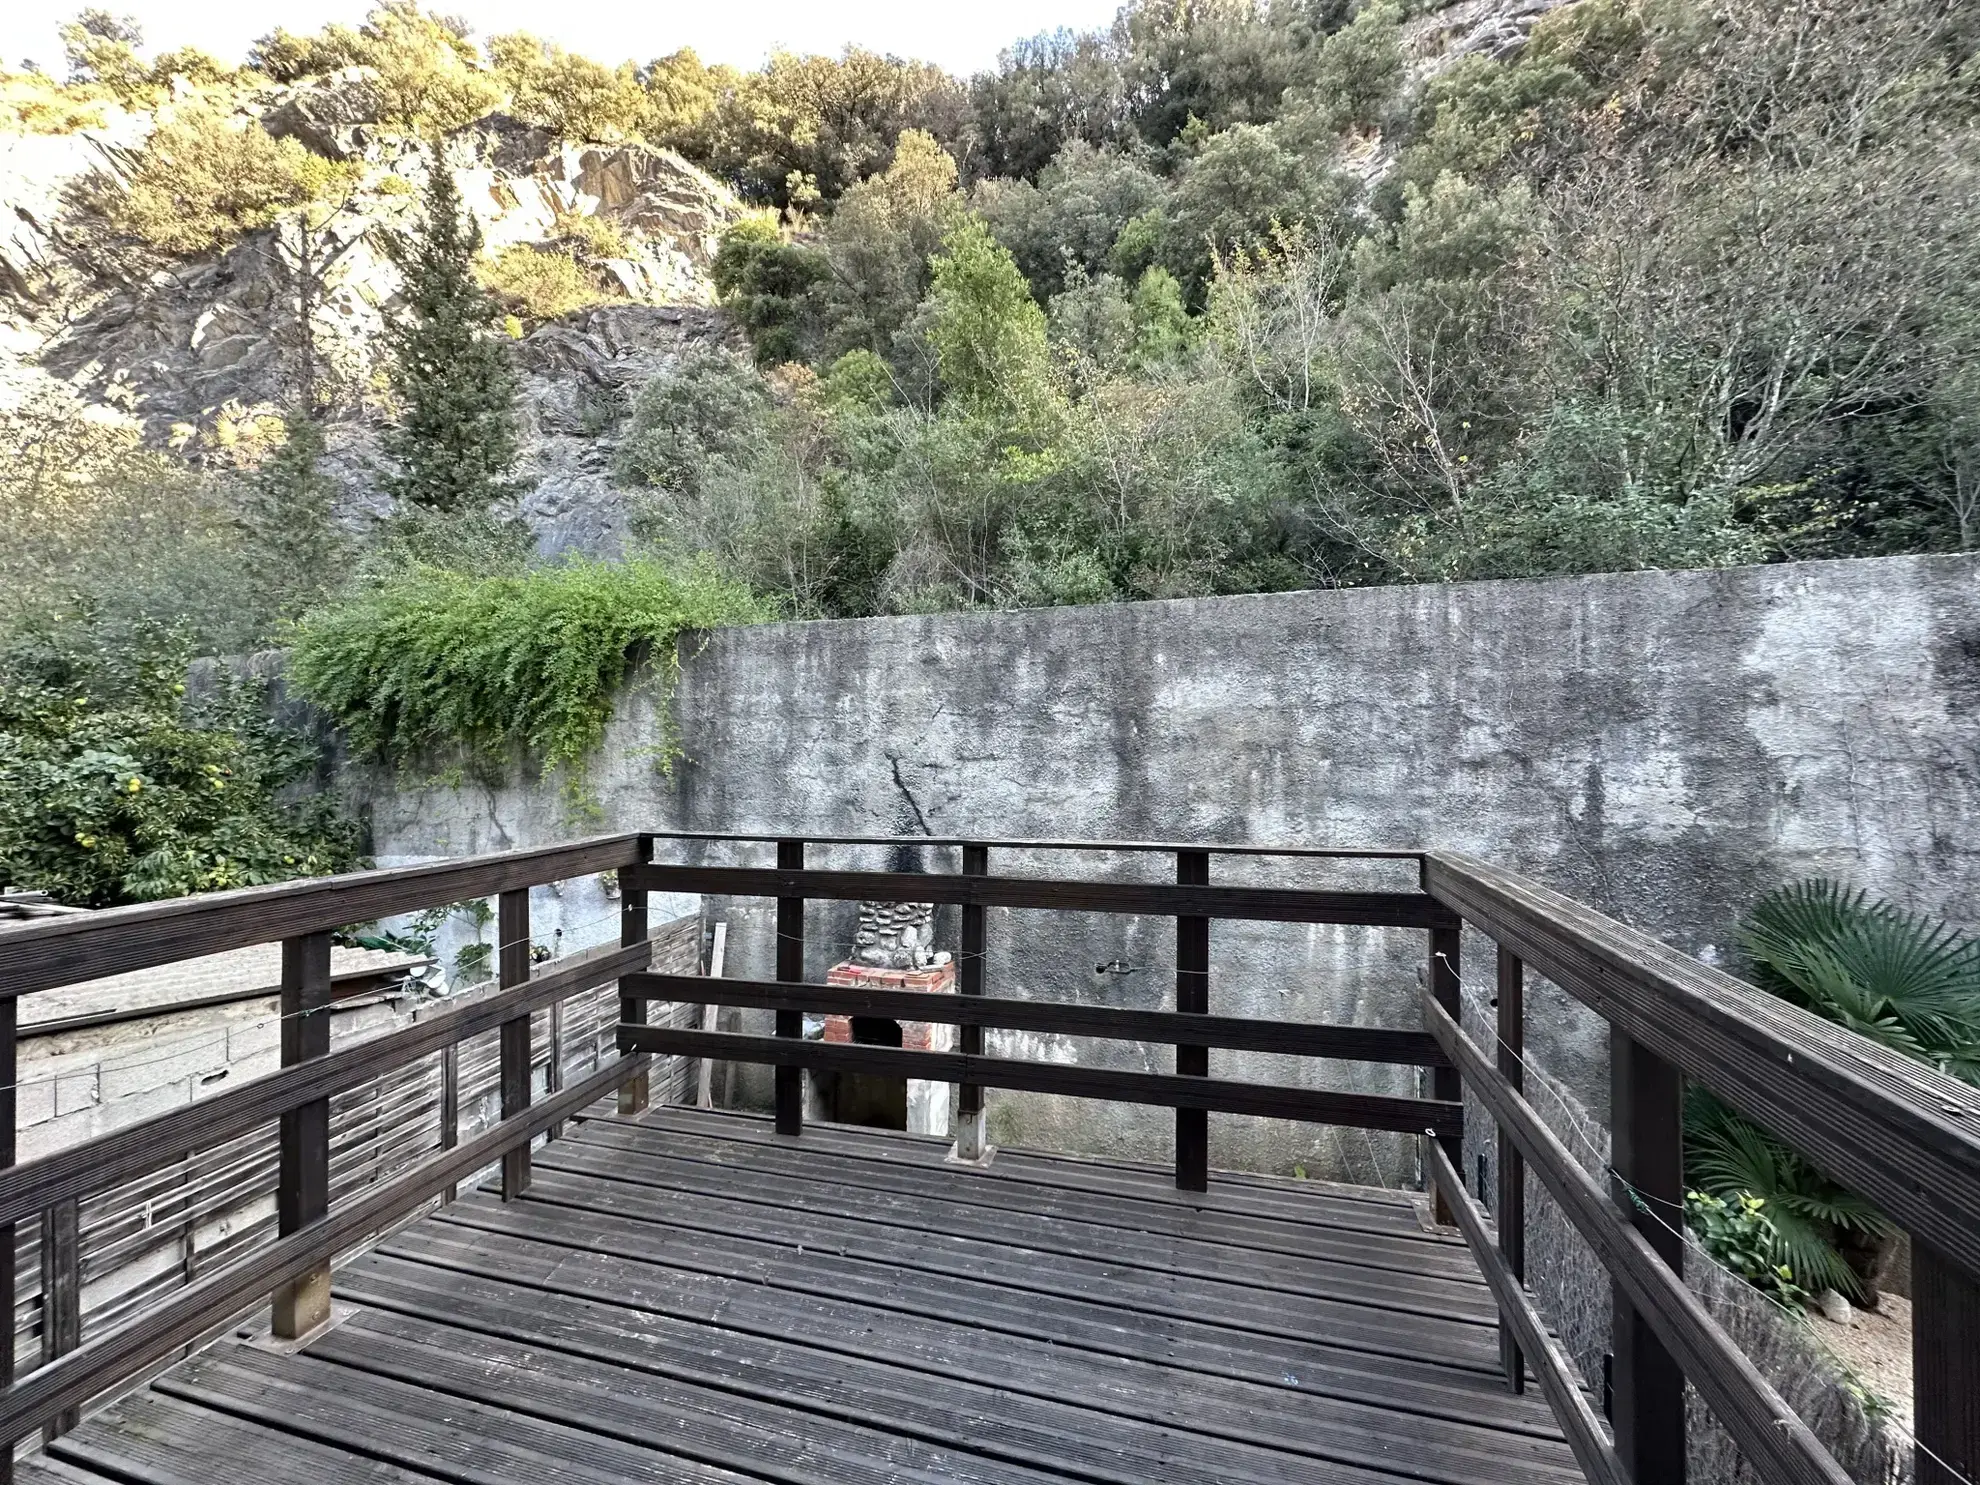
(291, 1272)
(1891, 1128)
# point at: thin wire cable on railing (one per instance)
(172, 1048)
(1648, 1203)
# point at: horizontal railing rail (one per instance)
(294, 1267)
(1774, 1440)
(1891, 1128)
(137, 1149)
(43, 953)
(1578, 1419)
(1021, 843)
(1070, 895)
(1165, 1090)
(1117, 1023)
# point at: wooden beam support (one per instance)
(302, 1192)
(1445, 982)
(1192, 999)
(972, 1134)
(450, 1102)
(1646, 1162)
(790, 967)
(61, 1298)
(512, 959)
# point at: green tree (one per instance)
(288, 514)
(773, 287)
(101, 48)
(571, 96)
(455, 442)
(880, 238)
(205, 177)
(987, 331)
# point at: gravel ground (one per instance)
(1876, 1345)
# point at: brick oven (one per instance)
(893, 949)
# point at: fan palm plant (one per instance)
(1898, 978)
(1906, 981)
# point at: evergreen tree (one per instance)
(455, 444)
(288, 514)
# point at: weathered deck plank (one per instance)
(687, 1299)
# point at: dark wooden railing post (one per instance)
(302, 1193)
(1445, 1082)
(972, 1142)
(512, 935)
(1193, 998)
(790, 967)
(61, 1296)
(1511, 1202)
(634, 1092)
(1646, 1136)
(1945, 1368)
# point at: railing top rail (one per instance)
(1895, 1130)
(46, 952)
(1126, 847)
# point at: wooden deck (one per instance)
(687, 1297)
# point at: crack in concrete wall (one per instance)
(1665, 746)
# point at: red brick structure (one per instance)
(927, 1103)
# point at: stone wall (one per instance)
(1664, 746)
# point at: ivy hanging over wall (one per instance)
(444, 667)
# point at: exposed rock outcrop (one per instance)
(190, 348)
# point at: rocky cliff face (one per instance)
(197, 351)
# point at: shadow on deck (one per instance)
(687, 1297)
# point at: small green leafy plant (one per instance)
(1738, 1232)
(442, 666)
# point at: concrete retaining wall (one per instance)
(1665, 746)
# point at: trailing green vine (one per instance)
(443, 667)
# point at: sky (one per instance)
(963, 37)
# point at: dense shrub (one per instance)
(773, 288)
(117, 786)
(439, 666)
(204, 178)
(706, 412)
(540, 283)
(571, 96)
(33, 104)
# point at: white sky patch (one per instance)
(962, 38)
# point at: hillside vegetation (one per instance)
(381, 323)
